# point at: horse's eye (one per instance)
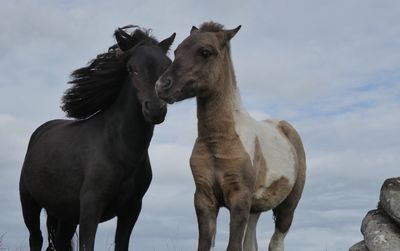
(129, 69)
(132, 71)
(205, 53)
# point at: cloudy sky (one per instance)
(331, 68)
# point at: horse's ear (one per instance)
(194, 28)
(229, 34)
(166, 43)
(123, 40)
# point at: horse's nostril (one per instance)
(163, 105)
(167, 84)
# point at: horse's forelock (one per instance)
(211, 27)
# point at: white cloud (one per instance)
(329, 68)
(259, 115)
(14, 134)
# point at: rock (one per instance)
(380, 232)
(360, 246)
(390, 198)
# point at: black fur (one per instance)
(97, 167)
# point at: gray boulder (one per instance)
(360, 246)
(390, 198)
(380, 232)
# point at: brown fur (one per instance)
(260, 162)
(273, 193)
(222, 169)
(229, 171)
(284, 212)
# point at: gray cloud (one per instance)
(329, 68)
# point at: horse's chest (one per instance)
(125, 191)
(218, 169)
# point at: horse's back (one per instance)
(62, 136)
(44, 128)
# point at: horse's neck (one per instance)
(126, 122)
(216, 112)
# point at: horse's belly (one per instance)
(275, 162)
(62, 204)
(266, 198)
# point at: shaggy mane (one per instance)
(211, 27)
(95, 87)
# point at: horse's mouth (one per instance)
(158, 120)
(155, 117)
(170, 99)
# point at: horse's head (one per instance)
(200, 61)
(145, 61)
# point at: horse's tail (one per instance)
(51, 225)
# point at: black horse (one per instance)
(95, 167)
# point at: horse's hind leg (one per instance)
(31, 213)
(284, 214)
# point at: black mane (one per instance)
(95, 87)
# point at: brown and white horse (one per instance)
(237, 162)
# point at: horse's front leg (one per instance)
(206, 211)
(126, 221)
(239, 206)
(91, 209)
(238, 197)
(128, 214)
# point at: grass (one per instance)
(2, 248)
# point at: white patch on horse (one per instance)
(213, 242)
(244, 235)
(278, 153)
(276, 243)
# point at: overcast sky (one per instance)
(331, 68)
